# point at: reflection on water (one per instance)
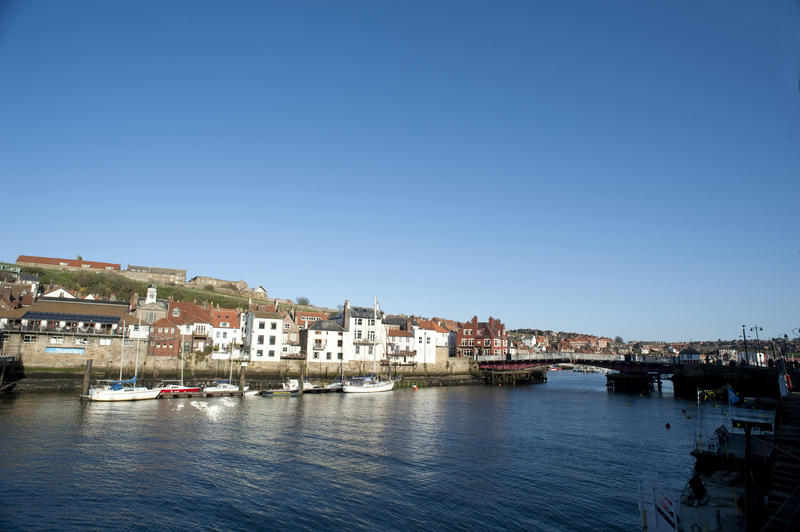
(562, 455)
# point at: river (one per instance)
(564, 455)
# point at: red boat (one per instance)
(178, 390)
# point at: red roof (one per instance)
(431, 326)
(398, 332)
(225, 315)
(68, 262)
(189, 313)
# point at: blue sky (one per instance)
(616, 168)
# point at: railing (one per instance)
(320, 346)
(404, 353)
(364, 341)
(47, 329)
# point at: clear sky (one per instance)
(621, 168)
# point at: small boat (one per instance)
(288, 388)
(223, 387)
(110, 390)
(334, 387)
(177, 389)
(367, 384)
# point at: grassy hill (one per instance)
(107, 285)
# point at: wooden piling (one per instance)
(87, 377)
(241, 379)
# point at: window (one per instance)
(428, 340)
(372, 321)
(271, 340)
(420, 340)
(161, 329)
(260, 324)
(287, 326)
(471, 342)
(260, 353)
(285, 338)
(217, 335)
(358, 335)
(224, 324)
(359, 321)
(339, 343)
(371, 336)
(370, 350)
(29, 338)
(357, 349)
(496, 342)
(105, 341)
(271, 352)
(57, 340)
(260, 339)
(487, 342)
(273, 325)
(224, 334)
(176, 312)
(285, 349)
(316, 356)
(463, 341)
(468, 332)
(328, 356)
(293, 337)
(339, 356)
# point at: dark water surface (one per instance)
(565, 455)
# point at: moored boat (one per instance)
(367, 384)
(167, 389)
(288, 388)
(118, 390)
(223, 387)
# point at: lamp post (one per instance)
(744, 335)
(756, 328)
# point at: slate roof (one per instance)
(325, 325)
(263, 315)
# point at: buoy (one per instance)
(499, 383)
(683, 411)
(688, 416)
(667, 425)
(415, 387)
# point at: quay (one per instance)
(784, 489)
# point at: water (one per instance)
(565, 455)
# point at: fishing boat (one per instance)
(289, 388)
(122, 390)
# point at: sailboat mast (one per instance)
(136, 364)
(122, 353)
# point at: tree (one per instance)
(302, 300)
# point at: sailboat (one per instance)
(122, 390)
(224, 386)
(177, 388)
(369, 383)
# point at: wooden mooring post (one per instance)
(87, 377)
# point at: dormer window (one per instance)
(176, 312)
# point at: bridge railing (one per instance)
(558, 357)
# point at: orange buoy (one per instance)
(415, 387)
(499, 383)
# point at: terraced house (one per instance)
(476, 338)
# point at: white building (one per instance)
(364, 336)
(323, 342)
(226, 332)
(262, 336)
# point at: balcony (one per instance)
(364, 341)
(319, 346)
(403, 353)
(68, 330)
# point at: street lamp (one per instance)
(756, 328)
(744, 335)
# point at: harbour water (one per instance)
(564, 455)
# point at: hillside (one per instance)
(108, 285)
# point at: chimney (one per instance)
(345, 314)
(408, 324)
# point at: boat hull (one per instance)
(132, 394)
(179, 391)
(369, 388)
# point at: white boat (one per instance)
(367, 384)
(223, 387)
(122, 390)
(118, 391)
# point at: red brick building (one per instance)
(165, 338)
(476, 338)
